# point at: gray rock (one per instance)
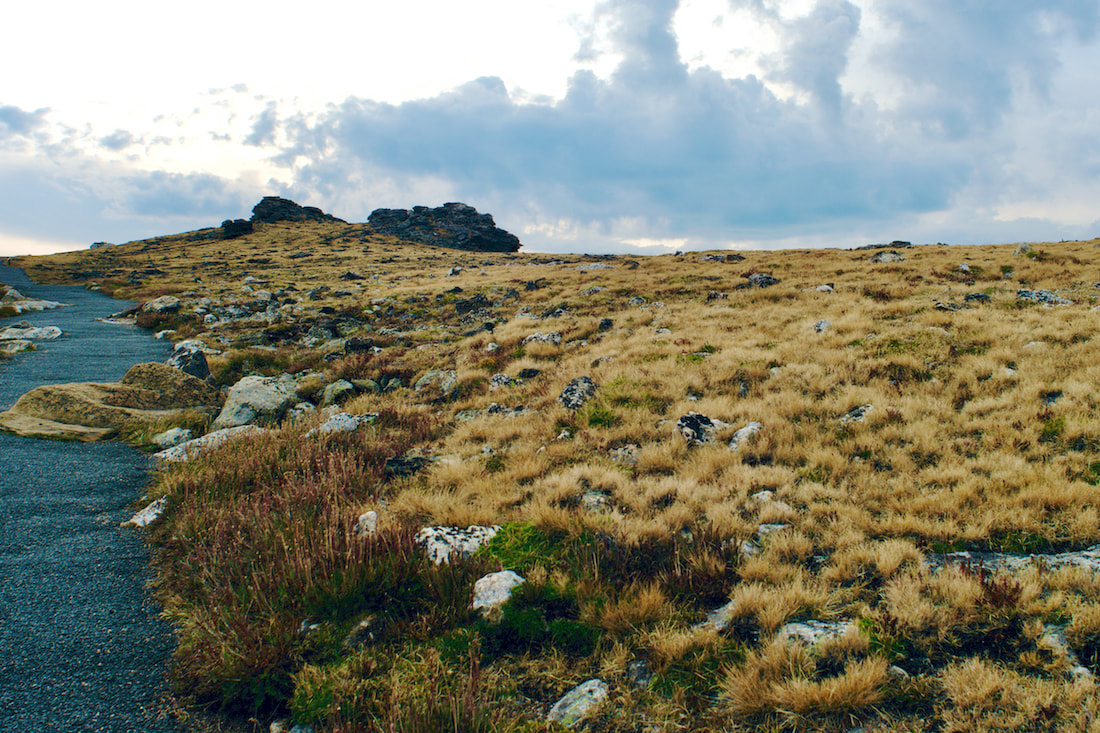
(444, 543)
(639, 675)
(257, 399)
(1021, 249)
(579, 703)
(172, 438)
(812, 632)
(189, 357)
(626, 455)
(764, 530)
(743, 435)
(192, 448)
(636, 301)
(149, 514)
(553, 337)
(1042, 296)
(762, 280)
(698, 428)
(342, 422)
(577, 393)
(976, 298)
(445, 379)
(339, 391)
(26, 332)
(15, 346)
(163, 305)
(300, 410)
(886, 257)
(823, 326)
(857, 414)
(493, 590)
(399, 466)
(502, 380)
(596, 501)
(367, 524)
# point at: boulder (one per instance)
(451, 225)
(857, 414)
(257, 399)
(445, 379)
(578, 703)
(210, 441)
(823, 326)
(443, 543)
(172, 437)
(339, 391)
(163, 305)
(189, 358)
(577, 393)
(698, 428)
(15, 347)
(1045, 297)
(24, 331)
(887, 257)
(762, 280)
(233, 228)
(743, 435)
(493, 590)
(149, 514)
(342, 422)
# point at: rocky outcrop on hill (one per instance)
(92, 411)
(273, 208)
(454, 225)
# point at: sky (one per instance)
(596, 126)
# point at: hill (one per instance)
(789, 490)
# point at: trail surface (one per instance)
(81, 645)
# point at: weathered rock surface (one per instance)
(190, 449)
(190, 358)
(577, 392)
(149, 514)
(444, 379)
(26, 332)
(444, 543)
(744, 434)
(342, 422)
(255, 399)
(494, 590)
(579, 703)
(273, 209)
(92, 411)
(173, 437)
(1042, 296)
(698, 428)
(163, 305)
(450, 225)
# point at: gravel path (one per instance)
(81, 646)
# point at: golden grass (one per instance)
(983, 435)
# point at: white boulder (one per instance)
(257, 398)
(494, 589)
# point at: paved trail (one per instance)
(81, 646)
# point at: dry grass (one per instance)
(983, 435)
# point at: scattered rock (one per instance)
(698, 429)
(857, 414)
(342, 422)
(812, 632)
(497, 381)
(400, 466)
(596, 501)
(149, 514)
(577, 392)
(350, 276)
(764, 530)
(579, 703)
(639, 675)
(1042, 296)
(553, 337)
(16, 346)
(163, 305)
(714, 295)
(976, 298)
(445, 379)
(367, 524)
(171, 438)
(827, 288)
(493, 590)
(626, 455)
(190, 358)
(256, 398)
(886, 257)
(1021, 249)
(606, 324)
(823, 326)
(762, 280)
(339, 391)
(743, 435)
(210, 441)
(443, 543)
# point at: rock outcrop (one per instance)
(273, 209)
(453, 225)
(92, 411)
(257, 399)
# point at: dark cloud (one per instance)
(263, 126)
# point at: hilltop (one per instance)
(786, 490)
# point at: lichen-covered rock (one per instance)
(578, 703)
(744, 434)
(698, 428)
(1045, 297)
(342, 422)
(577, 393)
(26, 332)
(171, 438)
(812, 632)
(190, 358)
(338, 392)
(163, 305)
(887, 257)
(857, 414)
(762, 280)
(255, 399)
(444, 379)
(450, 225)
(444, 543)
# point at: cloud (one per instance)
(117, 140)
(15, 121)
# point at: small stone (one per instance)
(172, 437)
(577, 393)
(811, 633)
(596, 501)
(857, 414)
(367, 524)
(149, 514)
(342, 422)
(698, 429)
(744, 434)
(768, 529)
(762, 280)
(639, 675)
(445, 379)
(553, 338)
(399, 466)
(443, 543)
(493, 590)
(192, 448)
(579, 703)
(823, 326)
(626, 455)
